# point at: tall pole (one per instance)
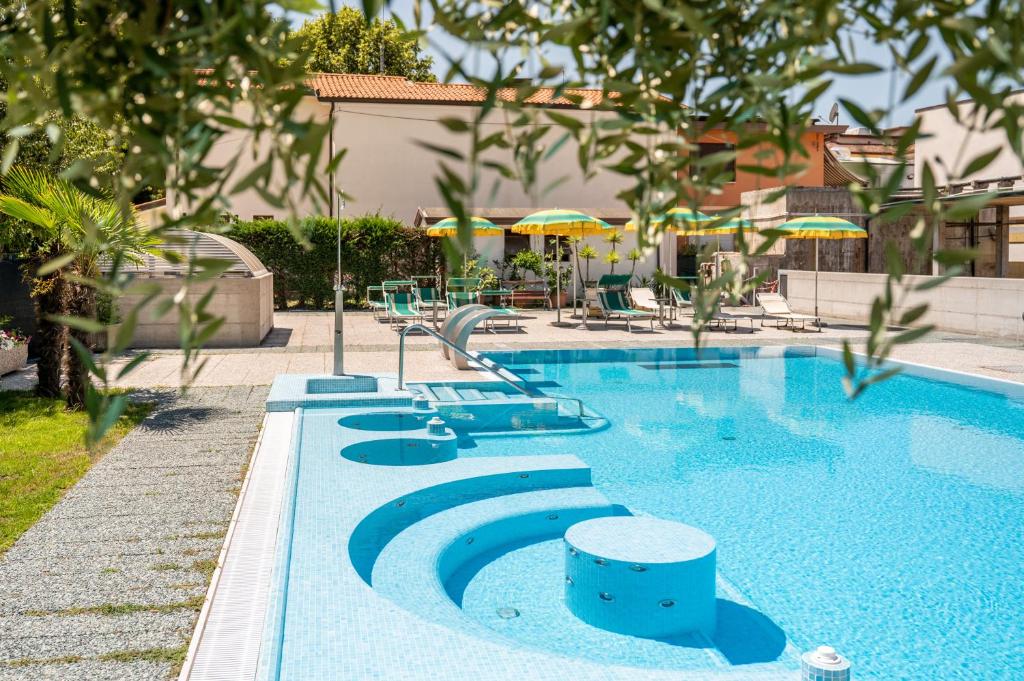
(815, 276)
(558, 282)
(339, 304)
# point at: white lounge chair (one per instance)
(644, 299)
(774, 306)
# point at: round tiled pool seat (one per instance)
(641, 576)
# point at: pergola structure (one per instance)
(996, 232)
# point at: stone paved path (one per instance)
(108, 584)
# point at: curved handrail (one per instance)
(518, 387)
(451, 346)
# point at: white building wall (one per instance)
(949, 145)
(386, 169)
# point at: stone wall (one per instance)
(844, 255)
(246, 303)
(975, 305)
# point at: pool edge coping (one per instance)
(236, 525)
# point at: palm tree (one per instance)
(613, 238)
(588, 253)
(75, 230)
(633, 256)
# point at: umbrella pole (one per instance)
(558, 283)
(816, 279)
(575, 275)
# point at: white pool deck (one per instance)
(301, 344)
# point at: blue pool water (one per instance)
(889, 527)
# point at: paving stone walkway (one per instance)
(108, 584)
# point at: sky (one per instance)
(868, 91)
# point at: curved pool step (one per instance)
(428, 565)
(521, 475)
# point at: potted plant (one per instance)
(551, 273)
(13, 349)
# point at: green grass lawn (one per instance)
(42, 454)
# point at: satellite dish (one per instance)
(833, 113)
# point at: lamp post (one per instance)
(339, 304)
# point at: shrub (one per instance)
(373, 249)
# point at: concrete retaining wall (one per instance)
(246, 303)
(975, 305)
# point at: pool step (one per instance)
(445, 393)
(426, 567)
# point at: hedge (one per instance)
(373, 249)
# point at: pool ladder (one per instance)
(493, 367)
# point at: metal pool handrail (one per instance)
(452, 346)
(494, 367)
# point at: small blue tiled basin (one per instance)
(401, 451)
(388, 421)
(341, 384)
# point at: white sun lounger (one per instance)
(774, 306)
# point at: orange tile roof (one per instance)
(347, 87)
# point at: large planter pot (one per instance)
(13, 359)
(561, 301)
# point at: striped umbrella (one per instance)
(819, 227)
(676, 218)
(450, 227)
(559, 223)
(679, 219)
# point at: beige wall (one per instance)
(974, 305)
(246, 303)
(949, 146)
(387, 170)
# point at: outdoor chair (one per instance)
(402, 308)
(377, 301)
(644, 299)
(510, 314)
(774, 306)
(722, 320)
(429, 299)
(681, 299)
(456, 299)
(613, 304)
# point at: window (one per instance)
(515, 243)
(708, 148)
(262, 217)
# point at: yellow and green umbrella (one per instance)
(450, 227)
(730, 226)
(559, 223)
(819, 227)
(678, 218)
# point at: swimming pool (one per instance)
(888, 527)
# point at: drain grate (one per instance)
(689, 365)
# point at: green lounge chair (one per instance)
(613, 303)
(377, 301)
(459, 298)
(681, 299)
(402, 308)
(509, 314)
(429, 300)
